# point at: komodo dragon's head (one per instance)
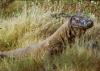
(79, 24)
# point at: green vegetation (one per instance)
(24, 23)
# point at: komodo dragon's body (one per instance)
(75, 27)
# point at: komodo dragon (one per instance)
(74, 27)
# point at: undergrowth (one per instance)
(32, 22)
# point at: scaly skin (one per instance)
(75, 27)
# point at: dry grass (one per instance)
(33, 24)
